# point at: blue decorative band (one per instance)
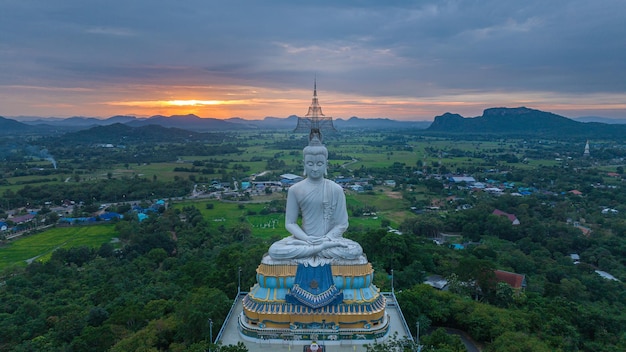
(299, 295)
(314, 287)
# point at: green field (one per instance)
(229, 214)
(387, 204)
(41, 245)
(226, 214)
(375, 151)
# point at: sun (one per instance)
(213, 108)
(194, 102)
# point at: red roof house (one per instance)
(22, 218)
(514, 220)
(517, 281)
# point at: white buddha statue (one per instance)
(322, 205)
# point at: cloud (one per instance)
(111, 31)
(381, 51)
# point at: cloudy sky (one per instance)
(406, 60)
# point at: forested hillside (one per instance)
(157, 287)
(156, 292)
(523, 122)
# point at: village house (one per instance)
(585, 230)
(22, 219)
(606, 275)
(389, 183)
(459, 179)
(514, 220)
(437, 281)
(290, 179)
(516, 281)
(606, 211)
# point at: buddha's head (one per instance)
(315, 159)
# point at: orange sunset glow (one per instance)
(402, 61)
(267, 102)
(256, 102)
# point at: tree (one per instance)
(97, 316)
(423, 225)
(156, 336)
(504, 296)
(195, 310)
(239, 347)
(514, 341)
(392, 344)
(478, 274)
(500, 226)
(440, 340)
(410, 275)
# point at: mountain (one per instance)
(55, 125)
(606, 120)
(188, 122)
(119, 119)
(75, 121)
(523, 121)
(280, 123)
(379, 123)
(9, 126)
(354, 122)
(196, 123)
(271, 123)
(120, 134)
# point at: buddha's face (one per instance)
(315, 166)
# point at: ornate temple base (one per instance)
(352, 308)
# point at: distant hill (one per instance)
(511, 121)
(523, 121)
(188, 122)
(198, 124)
(121, 134)
(8, 127)
(599, 119)
(354, 122)
(379, 123)
(269, 122)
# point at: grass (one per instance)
(389, 205)
(163, 171)
(42, 245)
(229, 214)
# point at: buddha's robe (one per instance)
(322, 206)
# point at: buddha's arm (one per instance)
(291, 218)
(337, 231)
(340, 216)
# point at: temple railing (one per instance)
(229, 315)
(393, 302)
(344, 334)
